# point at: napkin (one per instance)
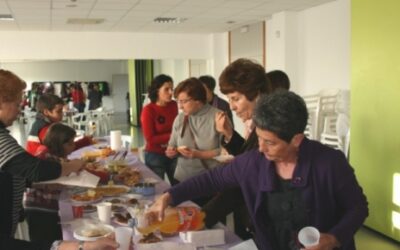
(83, 179)
(165, 246)
(204, 238)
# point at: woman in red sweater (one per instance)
(157, 118)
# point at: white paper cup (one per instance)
(115, 139)
(309, 236)
(123, 236)
(104, 212)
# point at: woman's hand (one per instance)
(326, 242)
(223, 125)
(188, 152)
(72, 166)
(156, 211)
(171, 152)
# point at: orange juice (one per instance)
(176, 220)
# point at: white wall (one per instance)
(103, 45)
(60, 70)
(313, 47)
(248, 42)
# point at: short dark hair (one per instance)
(208, 81)
(278, 80)
(193, 88)
(56, 136)
(156, 84)
(48, 101)
(283, 113)
(244, 76)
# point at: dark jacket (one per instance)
(334, 201)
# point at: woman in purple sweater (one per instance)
(288, 183)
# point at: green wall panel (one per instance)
(375, 107)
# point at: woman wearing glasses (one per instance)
(194, 138)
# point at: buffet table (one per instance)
(68, 221)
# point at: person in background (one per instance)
(94, 96)
(213, 99)
(49, 110)
(278, 80)
(41, 200)
(78, 97)
(157, 118)
(242, 81)
(288, 183)
(17, 167)
(194, 138)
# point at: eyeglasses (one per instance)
(184, 101)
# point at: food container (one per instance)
(144, 188)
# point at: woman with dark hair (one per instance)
(157, 118)
(288, 183)
(194, 138)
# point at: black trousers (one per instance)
(43, 226)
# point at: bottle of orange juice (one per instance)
(177, 219)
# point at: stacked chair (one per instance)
(329, 120)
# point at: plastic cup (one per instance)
(77, 211)
(123, 236)
(309, 236)
(104, 212)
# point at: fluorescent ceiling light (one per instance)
(85, 20)
(6, 17)
(169, 20)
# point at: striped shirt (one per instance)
(21, 168)
(10, 148)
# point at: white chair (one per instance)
(329, 134)
(312, 103)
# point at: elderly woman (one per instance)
(288, 183)
(194, 136)
(157, 118)
(242, 81)
(17, 167)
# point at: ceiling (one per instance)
(202, 16)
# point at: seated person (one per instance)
(49, 110)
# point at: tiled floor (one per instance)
(366, 239)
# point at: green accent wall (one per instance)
(375, 106)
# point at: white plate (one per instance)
(79, 233)
(224, 158)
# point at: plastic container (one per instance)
(145, 189)
(176, 220)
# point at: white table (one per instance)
(66, 209)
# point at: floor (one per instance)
(366, 239)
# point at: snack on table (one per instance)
(150, 238)
(104, 152)
(112, 190)
(95, 232)
(122, 217)
(90, 195)
(128, 176)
